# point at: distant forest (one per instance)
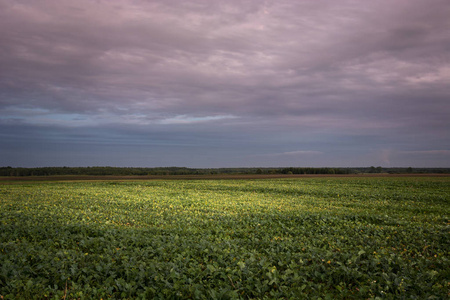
(50, 171)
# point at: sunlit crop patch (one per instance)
(282, 238)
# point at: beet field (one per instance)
(328, 238)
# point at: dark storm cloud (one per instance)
(354, 83)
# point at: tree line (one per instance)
(118, 171)
(121, 171)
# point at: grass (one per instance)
(219, 239)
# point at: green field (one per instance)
(218, 239)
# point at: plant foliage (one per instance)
(334, 238)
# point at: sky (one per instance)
(210, 84)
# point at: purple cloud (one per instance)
(345, 79)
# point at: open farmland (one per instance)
(210, 239)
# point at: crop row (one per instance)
(323, 237)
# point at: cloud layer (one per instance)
(225, 83)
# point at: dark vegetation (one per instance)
(116, 171)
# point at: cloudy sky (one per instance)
(215, 83)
